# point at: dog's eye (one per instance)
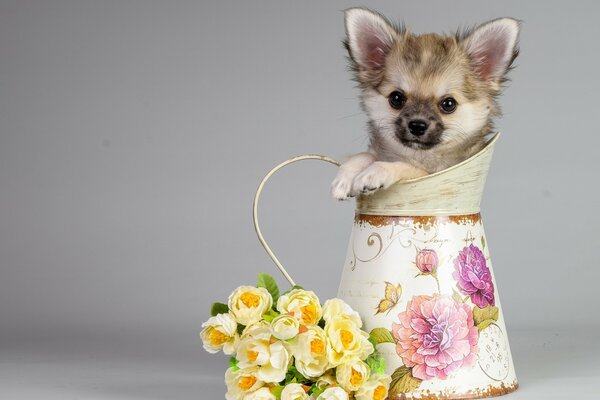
(397, 99)
(448, 105)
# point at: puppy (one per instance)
(430, 99)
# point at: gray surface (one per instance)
(132, 138)
(549, 366)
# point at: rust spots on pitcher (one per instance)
(421, 222)
(490, 391)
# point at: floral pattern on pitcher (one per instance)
(437, 333)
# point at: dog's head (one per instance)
(426, 92)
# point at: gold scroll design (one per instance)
(405, 237)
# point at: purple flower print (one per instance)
(473, 276)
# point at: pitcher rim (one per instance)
(489, 145)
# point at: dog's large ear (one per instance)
(369, 39)
(492, 47)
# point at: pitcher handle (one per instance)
(261, 238)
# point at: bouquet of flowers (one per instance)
(292, 347)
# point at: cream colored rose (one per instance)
(310, 352)
(294, 391)
(302, 304)
(334, 393)
(258, 330)
(261, 394)
(241, 382)
(338, 308)
(375, 388)
(346, 342)
(271, 357)
(324, 381)
(247, 304)
(220, 333)
(352, 376)
(285, 327)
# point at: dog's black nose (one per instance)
(418, 127)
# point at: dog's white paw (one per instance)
(341, 186)
(374, 177)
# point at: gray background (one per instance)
(134, 133)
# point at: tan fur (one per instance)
(426, 69)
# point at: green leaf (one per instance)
(276, 390)
(372, 340)
(376, 363)
(315, 391)
(481, 315)
(240, 329)
(403, 381)
(294, 376)
(382, 335)
(268, 282)
(270, 315)
(482, 243)
(233, 363)
(484, 324)
(218, 308)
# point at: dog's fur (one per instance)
(423, 71)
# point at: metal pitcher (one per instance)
(418, 271)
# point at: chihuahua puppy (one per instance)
(430, 99)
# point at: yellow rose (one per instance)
(338, 308)
(302, 304)
(270, 356)
(220, 333)
(241, 382)
(261, 394)
(346, 342)
(294, 391)
(334, 393)
(310, 352)
(352, 376)
(285, 327)
(375, 388)
(247, 304)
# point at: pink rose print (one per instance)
(427, 261)
(473, 276)
(436, 336)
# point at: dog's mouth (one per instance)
(417, 144)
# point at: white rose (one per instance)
(352, 376)
(302, 304)
(241, 382)
(294, 391)
(375, 388)
(261, 394)
(337, 308)
(310, 352)
(271, 358)
(324, 381)
(258, 330)
(346, 342)
(334, 393)
(285, 327)
(247, 304)
(220, 333)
